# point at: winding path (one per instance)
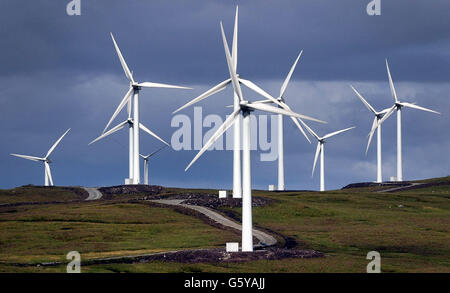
(400, 188)
(94, 193)
(265, 239)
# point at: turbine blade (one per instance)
(111, 131)
(129, 108)
(231, 69)
(56, 143)
(155, 152)
(337, 132)
(215, 89)
(262, 102)
(122, 61)
(372, 130)
(36, 159)
(126, 100)
(49, 173)
(141, 126)
(234, 51)
(364, 100)
(409, 105)
(162, 85)
(288, 77)
(300, 128)
(385, 116)
(309, 130)
(391, 83)
(227, 124)
(285, 106)
(272, 109)
(259, 90)
(316, 157)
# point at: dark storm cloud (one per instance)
(180, 39)
(58, 72)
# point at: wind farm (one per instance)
(231, 192)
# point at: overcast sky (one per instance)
(59, 71)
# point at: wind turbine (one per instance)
(281, 100)
(281, 185)
(378, 116)
(237, 183)
(398, 105)
(320, 150)
(130, 124)
(245, 108)
(146, 158)
(45, 160)
(133, 90)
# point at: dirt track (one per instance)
(265, 239)
(94, 193)
(401, 188)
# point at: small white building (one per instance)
(272, 187)
(232, 246)
(223, 194)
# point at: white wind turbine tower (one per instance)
(45, 160)
(134, 89)
(320, 150)
(146, 158)
(281, 185)
(398, 105)
(378, 117)
(245, 107)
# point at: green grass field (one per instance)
(410, 229)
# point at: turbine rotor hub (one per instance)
(136, 86)
(244, 107)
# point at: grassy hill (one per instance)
(410, 228)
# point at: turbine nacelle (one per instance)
(136, 87)
(382, 113)
(244, 105)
